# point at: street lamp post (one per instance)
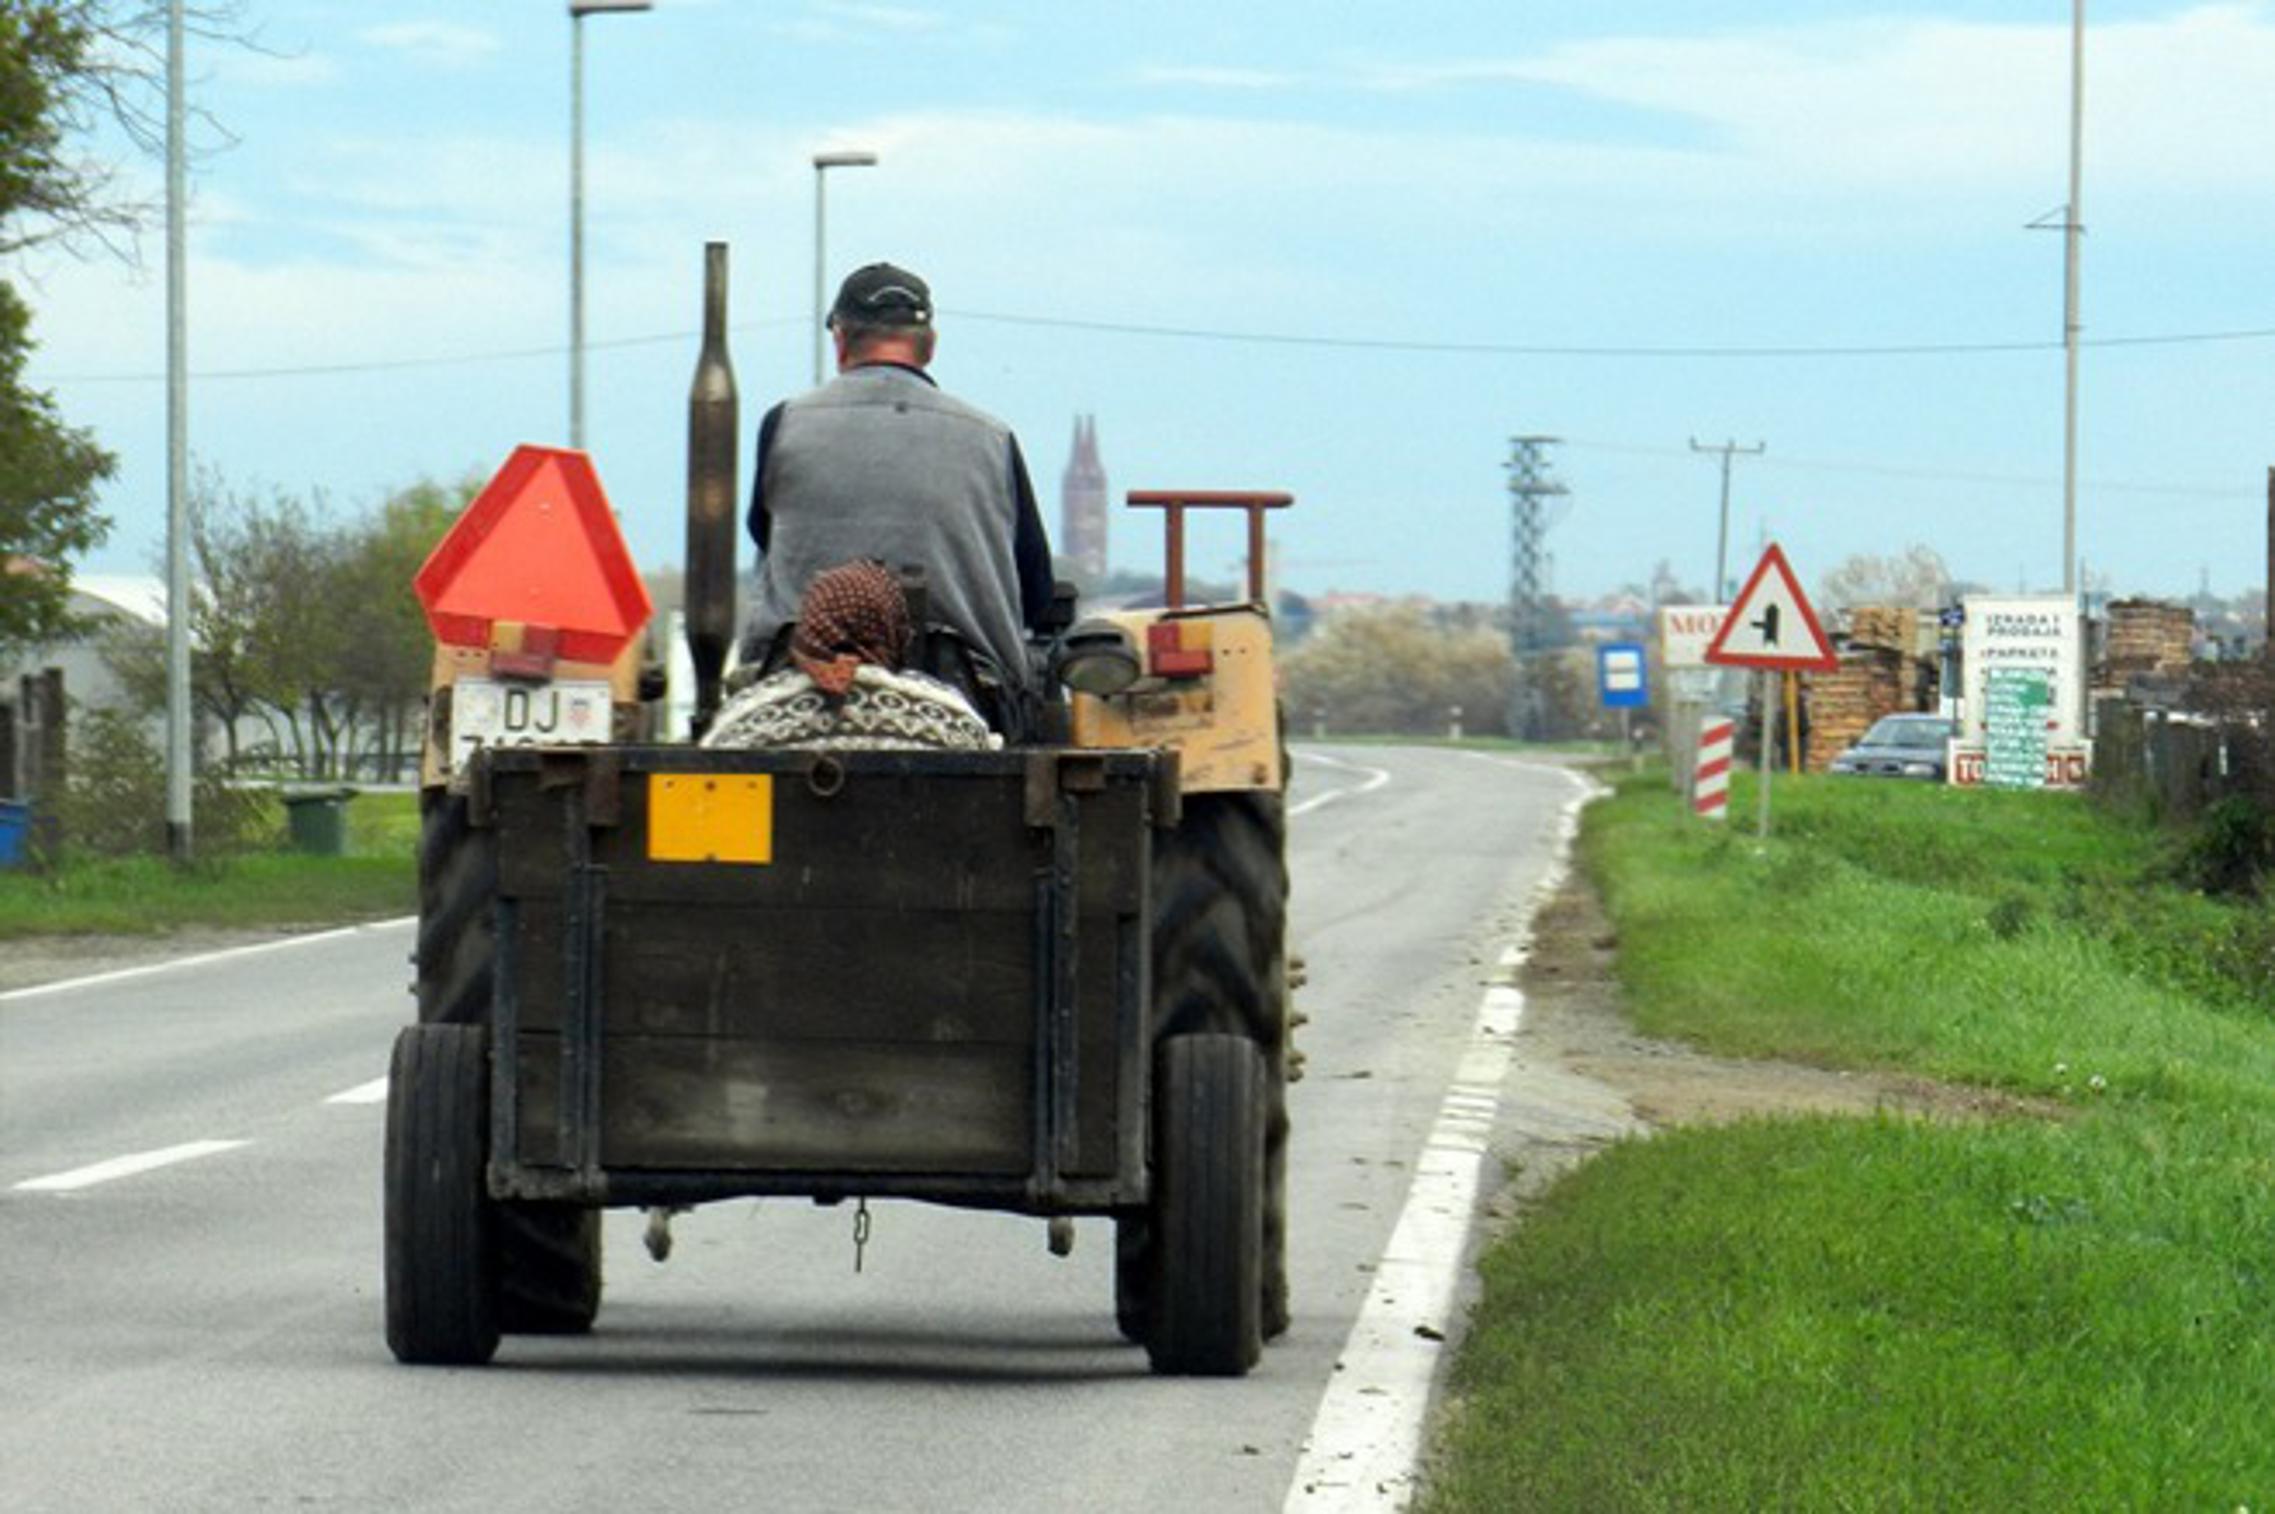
(823, 163)
(578, 10)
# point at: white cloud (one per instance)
(854, 23)
(435, 44)
(1216, 78)
(897, 18)
(2182, 102)
(258, 70)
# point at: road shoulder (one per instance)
(28, 961)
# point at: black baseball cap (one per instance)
(882, 295)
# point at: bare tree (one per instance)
(1915, 578)
(1395, 671)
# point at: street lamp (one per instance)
(823, 163)
(578, 10)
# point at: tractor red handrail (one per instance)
(1173, 504)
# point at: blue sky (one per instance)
(1360, 246)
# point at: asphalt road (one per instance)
(203, 1332)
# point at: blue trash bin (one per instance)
(15, 826)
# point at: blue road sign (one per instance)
(1619, 675)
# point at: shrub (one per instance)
(2229, 849)
(114, 800)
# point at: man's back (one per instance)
(880, 463)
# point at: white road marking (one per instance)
(1376, 778)
(124, 1167)
(96, 980)
(1366, 1441)
(373, 1092)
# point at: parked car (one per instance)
(1901, 746)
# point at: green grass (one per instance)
(266, 886)
(2062, 1312)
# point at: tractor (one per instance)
(1047, 977)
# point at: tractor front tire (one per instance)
(1133, 1265)
(441, 1246)
(1205, 1305)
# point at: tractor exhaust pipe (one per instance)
(713, 421)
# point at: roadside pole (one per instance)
(1768, 763)
(1792, 721)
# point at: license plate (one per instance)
(484, 712)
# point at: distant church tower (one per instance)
(1082, 503)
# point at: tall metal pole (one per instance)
(2073, 227)
(576, 227)
(821, 207)
(578, 10)
(823, 163)
(1721, 589)
(178, 755)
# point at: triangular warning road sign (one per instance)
(1771, 624)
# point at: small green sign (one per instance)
(2015, 705)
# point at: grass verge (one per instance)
(2069, 1312)
(264, 887)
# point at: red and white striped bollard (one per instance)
(1710, 777)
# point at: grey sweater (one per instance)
(880, 463)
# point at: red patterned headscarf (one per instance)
(852, 614)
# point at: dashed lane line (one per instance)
(1375, 779)
(124, 1167)
(373, 1092)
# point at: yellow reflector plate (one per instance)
(711, 817)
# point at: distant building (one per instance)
(99, 602)
(1082, 503)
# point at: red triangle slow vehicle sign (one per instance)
(538, 547)
(1771, 625)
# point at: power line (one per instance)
(1648, 352)
(1928, 475)
(1651, 351)
(398, 365)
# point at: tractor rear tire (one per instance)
(441, 1244)
(458, 888)
(1206, 1301)
(1220, 890)
(548, 1268)
(548, 1255)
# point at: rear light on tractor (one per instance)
(1179, 649)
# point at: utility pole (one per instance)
(1530, 489)
(179, 757)
(2073, 227)
(1720, 592)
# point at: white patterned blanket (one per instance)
(883, 711)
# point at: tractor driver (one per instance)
(881, 463)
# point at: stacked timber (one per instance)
(2145, 636)
(1891, 627)
(1870, 682)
